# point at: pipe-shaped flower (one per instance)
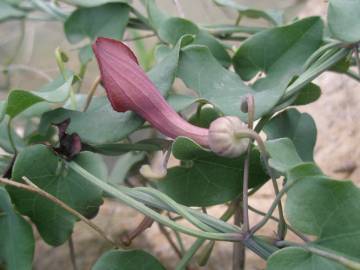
(128, 88)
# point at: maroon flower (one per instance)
(128, 88)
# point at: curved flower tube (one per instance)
(128, 88)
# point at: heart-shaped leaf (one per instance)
(221, 87)
(206, 179)
(163, 73)
(280, 52)
(49, 172)
(299, 127)
(283, 154)
(17, 239)
(173, 29)
(108, 20)
(127, 260)
(327, 209)
(20, 100)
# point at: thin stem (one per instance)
(181, 210)
(223, 30)
(92, 92)
(265, 157)
(238, 19)
(353, 75)
(205, 253)
(38, 72)
(319, 52)
(55, 200)
(170, 240)
(357, 59)
(300, 235)
(199, 242)
(72, 252)
(282, 223)
(239, 248)
(189, 254)
(81, 75)
(144, 225)
(350, 264)
(136, 204)
(273, 206)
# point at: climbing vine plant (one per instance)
(244, 80)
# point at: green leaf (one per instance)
(108, 20)
(299, 127)
(8, 11)
(20, 100)
(156, 16)
(294, 258)
(173, 29)
(205, 179)
(224, 89)
(309, 94)
(123, 165)
(127, 260)
(17, 239)
(328, 209)
(273, 16)
(93, 3)
(325, 208)
(279, 52)
(163, 74)
(283, 154)
(100, 124)
(343, 20)
(49, 172)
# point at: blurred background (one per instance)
(336, 115)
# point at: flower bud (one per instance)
(225, 137)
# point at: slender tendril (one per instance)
(92, 92)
